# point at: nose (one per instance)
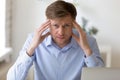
(61, 30)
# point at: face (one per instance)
(61, 30)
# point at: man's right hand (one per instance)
(38, 37)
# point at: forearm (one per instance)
(21, 67)
(30, 51)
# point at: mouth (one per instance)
(61, 38)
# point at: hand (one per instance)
(82, 39)
(38, 37)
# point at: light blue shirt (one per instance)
(54, 63)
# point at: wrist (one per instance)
(30, 51)
(88, 52)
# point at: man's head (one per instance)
(61, 15)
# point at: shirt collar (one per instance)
(49, 42)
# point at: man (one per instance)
(60, 53)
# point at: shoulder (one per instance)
(90, 38)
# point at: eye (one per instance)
(55, 26)
(66, 25)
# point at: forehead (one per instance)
(66, 19)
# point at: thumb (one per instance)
(47, 34)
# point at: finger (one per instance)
(44, 30)
(45, 24)
(78, 27)
(47, 34)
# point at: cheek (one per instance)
(69, 32)
(52, 31)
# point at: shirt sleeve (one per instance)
(93, 61)
(20, 69)
(22, 65)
